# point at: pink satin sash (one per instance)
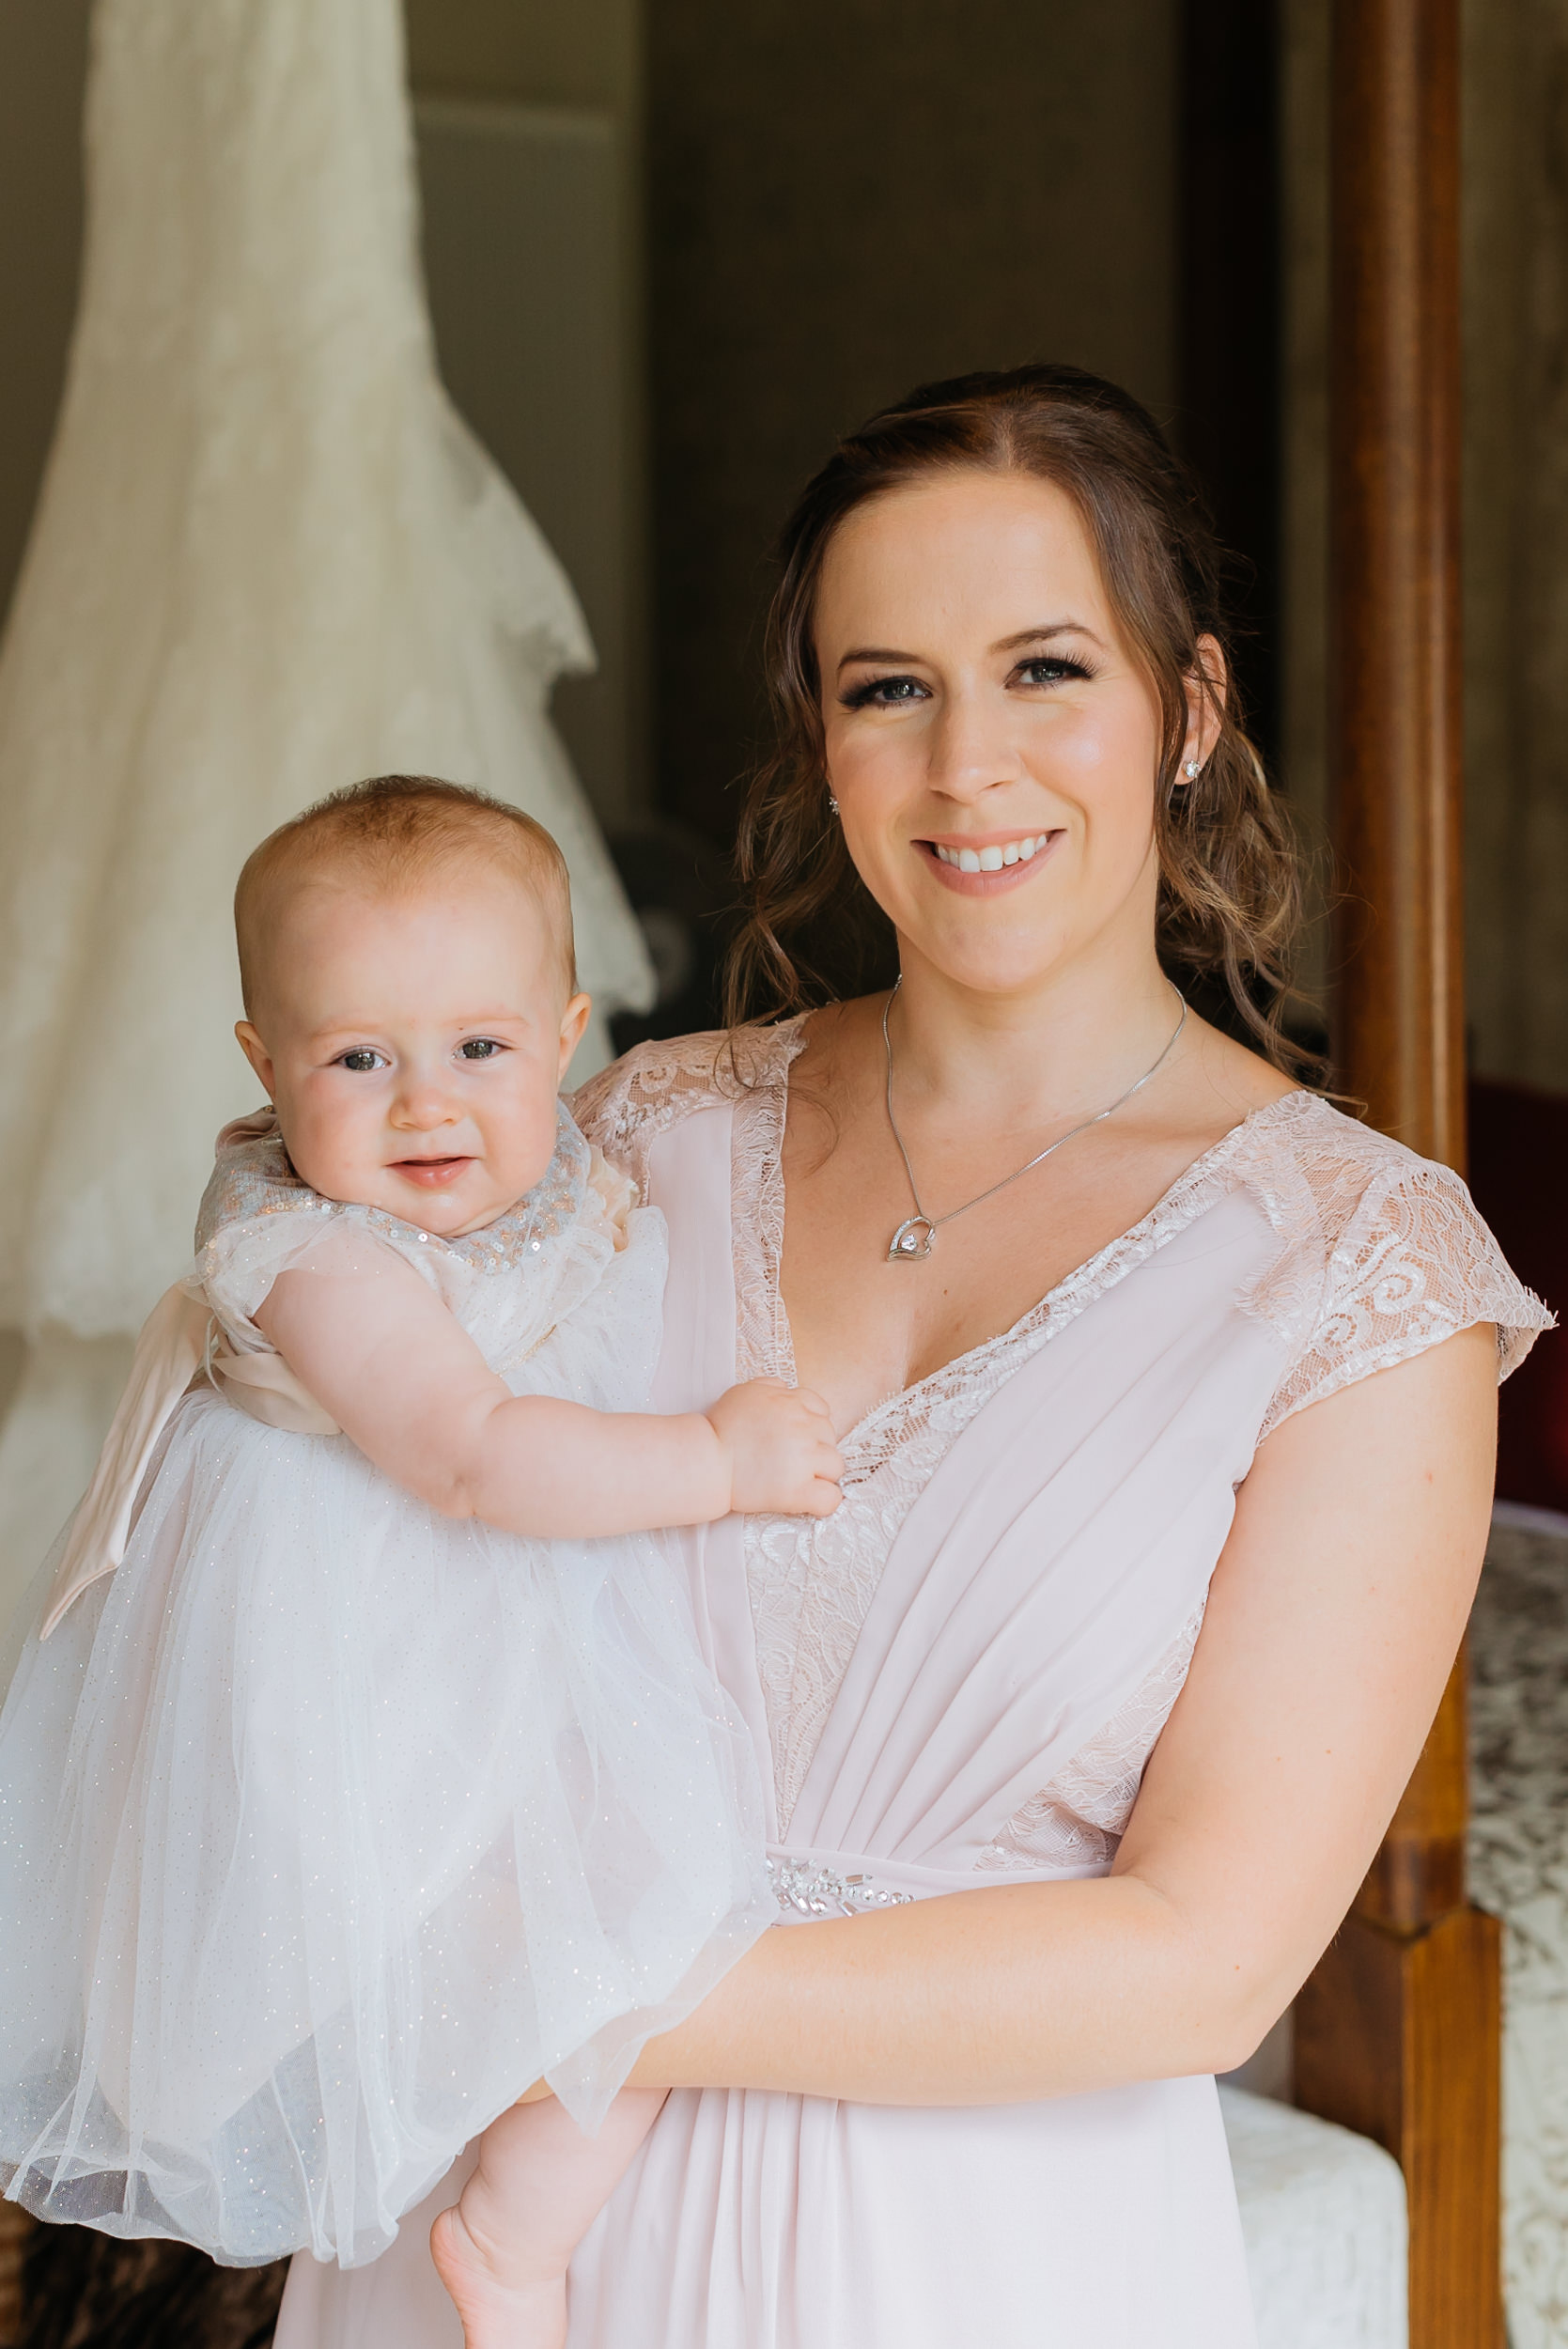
(174, 1350)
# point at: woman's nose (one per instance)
(970, 749)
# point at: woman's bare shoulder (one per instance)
(1234, 1077)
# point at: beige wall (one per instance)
(848, 197)
(586, 56)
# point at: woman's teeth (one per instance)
(992, 860)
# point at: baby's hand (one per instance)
(779, 1441)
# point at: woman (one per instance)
(1084, 1714)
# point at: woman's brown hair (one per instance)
(1230, 892)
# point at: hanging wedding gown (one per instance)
(269, 559)
(955, 1680)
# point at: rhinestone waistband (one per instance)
(808, 1884)
(806, 1888)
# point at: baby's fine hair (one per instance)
(394, 832)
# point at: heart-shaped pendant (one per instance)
(912, 1241)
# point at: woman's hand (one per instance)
(779, 1441)
(1333, 1619)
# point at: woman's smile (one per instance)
(985, 864)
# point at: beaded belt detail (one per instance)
(806, 1889)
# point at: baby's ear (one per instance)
(256, 1052)
(573, 1021)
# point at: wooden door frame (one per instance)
(1398, 2032)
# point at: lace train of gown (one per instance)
(269, 559)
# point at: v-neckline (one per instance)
(1077, 1288)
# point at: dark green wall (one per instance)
(846, 197)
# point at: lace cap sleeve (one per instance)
(626, 1108)
(1406, 1261)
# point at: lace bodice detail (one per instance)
(1080, 1818)
(1381, 1255)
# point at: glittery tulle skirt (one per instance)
(330, 1824)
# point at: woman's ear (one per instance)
(256, 1053)
(573, 1021)
(1207, 691)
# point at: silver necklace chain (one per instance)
(916, 1236)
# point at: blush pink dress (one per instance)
(957, 1680)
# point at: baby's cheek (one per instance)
(326, 1143)
(521, 1133)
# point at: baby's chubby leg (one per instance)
(502, 2249)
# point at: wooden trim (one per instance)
(1394, 604)
(1396, 2034)
(1398, 2031)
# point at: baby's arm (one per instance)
(377, 1348)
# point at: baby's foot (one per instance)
(499, 2310)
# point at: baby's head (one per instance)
(411, 997)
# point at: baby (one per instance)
(383, 1777)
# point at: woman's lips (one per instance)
(988, 884)
(431, 1173)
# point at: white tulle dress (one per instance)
(328, 1823)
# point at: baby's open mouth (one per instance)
(431, 1173)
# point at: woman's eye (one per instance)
(362, 1060)
(885, 693)
(1051, 669)
(479, 1048)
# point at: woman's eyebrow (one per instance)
(1038, 635)
(886, 654)
(875, 652)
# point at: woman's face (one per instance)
(991, 742)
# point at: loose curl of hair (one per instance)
(1229, 888)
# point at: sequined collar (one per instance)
(255, 1178)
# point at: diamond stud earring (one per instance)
(1192, 771)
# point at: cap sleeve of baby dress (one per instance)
(257, 1220)
(1399, 1260)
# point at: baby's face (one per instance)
(414, 1044)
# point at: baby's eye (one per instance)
(362, 1060)
(480, 1048)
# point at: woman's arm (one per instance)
(1333, 1620)
(382, 1353)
